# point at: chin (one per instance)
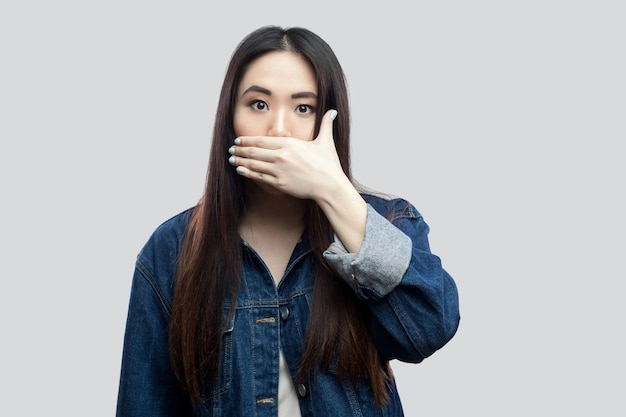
(264, 188)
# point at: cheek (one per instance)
(304, 130)
(242, 126)
(248, 123)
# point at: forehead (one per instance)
(280, 71)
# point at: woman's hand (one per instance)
(303, 169)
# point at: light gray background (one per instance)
(503, 122)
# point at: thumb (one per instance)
(326, 127)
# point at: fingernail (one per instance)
(241, 170)
(231, 150)
(231, 160)
(333, 114)
(237, 141)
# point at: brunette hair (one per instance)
(211, 253)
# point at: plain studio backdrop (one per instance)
(503, 122)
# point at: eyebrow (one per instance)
(256, 88)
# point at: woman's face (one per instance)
(277, 97)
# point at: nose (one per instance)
(279, 124)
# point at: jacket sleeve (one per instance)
(413, 300)
(147, 385)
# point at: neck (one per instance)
(268, 207)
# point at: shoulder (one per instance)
(389, 205)
(174, 227)
(163, 246)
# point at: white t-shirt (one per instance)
(287, 398)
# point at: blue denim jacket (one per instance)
(413, 300)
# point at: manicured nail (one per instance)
(231, 150)
(231, 160)
(237, 141)
(333, 114)
(241, 170)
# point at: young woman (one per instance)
(287, 289)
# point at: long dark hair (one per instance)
(211, 253)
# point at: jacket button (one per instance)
(284, 313)
(302, 390)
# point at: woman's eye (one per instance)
(259, 105)
(305, 108)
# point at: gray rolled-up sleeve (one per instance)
(379, 265)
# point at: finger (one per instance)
(260, 176)
(252, 152)
(266, 142)
(250, 166)
(326, 128)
